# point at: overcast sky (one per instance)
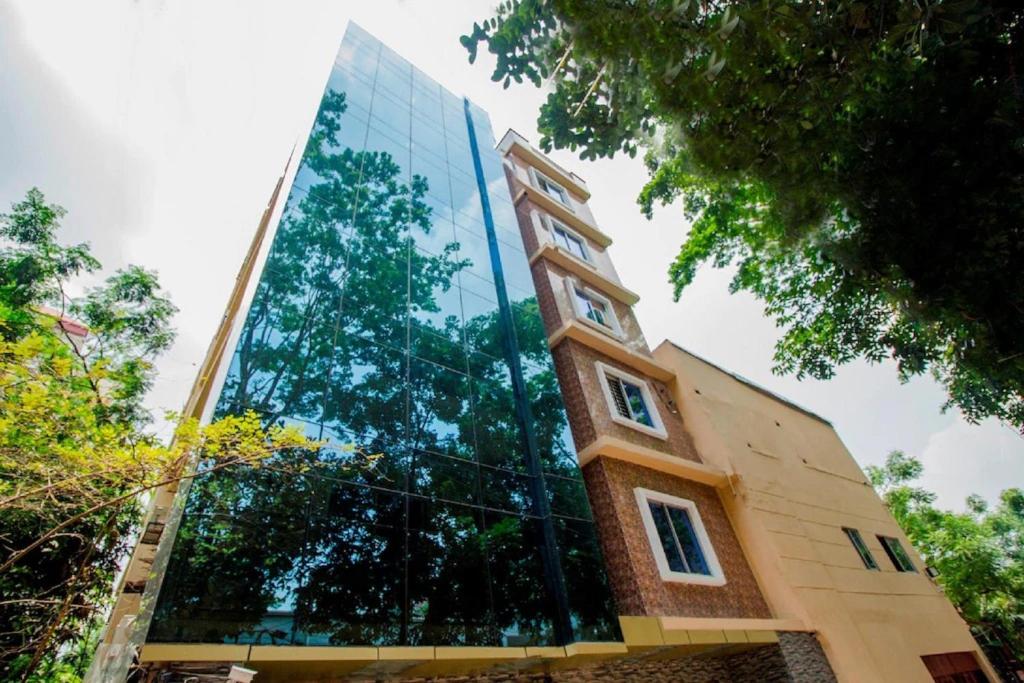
(162, 127)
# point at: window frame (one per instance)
(893, 557)
(552, 224)
(614, 329)
(537, 176)
(643, 499)
(862, 549)
(658, 429)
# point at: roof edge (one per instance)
(749, 383)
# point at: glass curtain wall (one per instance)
(376, 327)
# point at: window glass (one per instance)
(629, 400)
(552, 189)
(897, 555)
(449, 599)
(570, 243)
(637, 405)
(593, 619)
(678, 539)
(683, 526)
(375, 326)
(592, 308)
(862, 549)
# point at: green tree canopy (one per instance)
(861, 164)
(979, 553)
(75, 453)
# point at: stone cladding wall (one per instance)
(638, 587)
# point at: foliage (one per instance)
(979, 553)
(861, 163)
(74, 453)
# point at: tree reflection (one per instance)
(352, 333)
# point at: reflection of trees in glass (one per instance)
(343, 555)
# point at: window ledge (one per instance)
(611, 347)
(562, 213)
(586, 272)
(693, 579)
(620, 449)
(640, 427)
(603, 329)
(568, 254)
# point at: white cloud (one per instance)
(963, 459)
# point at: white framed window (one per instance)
(592, 308)
(630, 401)
(568, 240)
(550, 188)
(679, 541)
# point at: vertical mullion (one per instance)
(632, 414)
(554, 576)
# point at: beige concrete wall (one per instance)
(794, 487)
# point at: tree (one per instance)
(75, 455)
(859, 163)
(979, 553)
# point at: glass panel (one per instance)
(665, 535)
(517, 273)
(284, 352)
(392, 149)
(506, 490)
(434, 173)
(474, 253)
(567, 496)
(449, 597)
(367, 391)
(375, 460)
(443, 349)
(445, 478)
(591, 609)
(530, 332)
(858, 543)
(375, 326)
(234, 579)
(498, 433)
(522, 603)
(637, 404)
(353, 588)
(683, 526)
(440, 412)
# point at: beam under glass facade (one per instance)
(396, 319)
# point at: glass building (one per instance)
(396, 319)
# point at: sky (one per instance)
(162, 126)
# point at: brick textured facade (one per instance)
(589, 415)
(638, 587)
(551, 277)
